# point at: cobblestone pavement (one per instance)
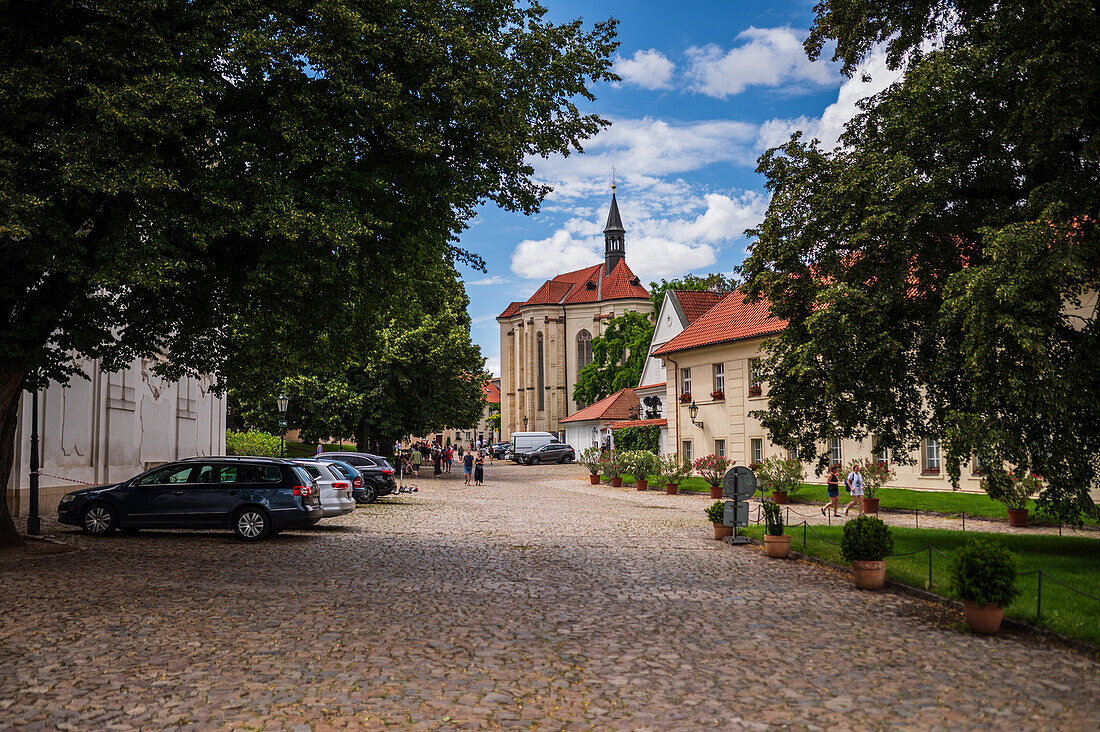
(536, 601)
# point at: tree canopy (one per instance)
(174, 174)
(939, 267)
(714, 281)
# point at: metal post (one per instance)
(804, 524)
(34, 523)
(1039, 601)
(964, 520)
(929, 567)
(788, 515)
(916, 518)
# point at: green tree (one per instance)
(933, 266)
(714, 281)
(618, 356)
(172, 171)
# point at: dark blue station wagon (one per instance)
(255, 497)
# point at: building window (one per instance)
(836, 456)
(542, 372)
(720, 448)
(879, 453)
(756, 449)
(978, 466)
(756, 380)
(687, 450)
(792, 454)
(930, 461)
(584, 349)
(719, 377)
(685, 381)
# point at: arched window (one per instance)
(584, 349)
(542, 373)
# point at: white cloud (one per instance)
(872, 77)
(767, 57)
(492, 365)
(545, 258)
(648, 69)
(491, 280)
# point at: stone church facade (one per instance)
(547, 339)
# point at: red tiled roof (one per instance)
(652, 386)
(621, 284)
(639, 423)
(732, 319)
(512, 309)
(551, 293)
(617, 406)
(695, 303)
(492, 393)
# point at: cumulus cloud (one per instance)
(545, 258)
(648, 69)
(491, 280)
(770, 57)
(492, 365)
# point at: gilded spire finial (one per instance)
(612, 178)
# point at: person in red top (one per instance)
(448, 458)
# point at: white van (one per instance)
(527, 441)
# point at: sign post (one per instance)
(739, 483)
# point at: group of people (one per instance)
(853, 483)
(442, 458)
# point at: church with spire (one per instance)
(546, 339)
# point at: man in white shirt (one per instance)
(854, 482)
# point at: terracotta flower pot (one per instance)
(721, 532)
(868, 505)
(779, 497)
(869, 575)
(716, 492)
(617, 482)
(1017, 517)
(672, 488)
(595, 479)
(777, 546)
(984, 620)
(641, 484)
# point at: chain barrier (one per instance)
(70, 480)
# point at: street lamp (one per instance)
(281, 402)
(693, 412)
(525, 423)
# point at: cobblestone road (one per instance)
(536, 601)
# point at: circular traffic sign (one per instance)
(739, 483)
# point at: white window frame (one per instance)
(685, 447)
(836, 451)
(719, 377)
(756, 450)
(720, 448)
(685, 381)
(931, 462)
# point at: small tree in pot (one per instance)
(715, 514)
(776, 543)
(640, 464)
(780, 476)
(875, 475)
(673, 472)
(866, 544)
(1013, 490)
(712, 468)
(612, 465)
(983, 575)
(590, 459)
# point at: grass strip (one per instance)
(1072, 560)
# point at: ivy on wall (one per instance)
(639, 438)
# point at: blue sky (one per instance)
(707, 87)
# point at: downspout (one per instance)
(565, 355)
(676, 402)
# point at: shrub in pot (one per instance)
(1013, 489)
(713, 468)
(673, 471)
(983, 575)
(640, 464)
(875, 475)
(776, 543)
(612, 465)
(780, 477)
(866, 544)
(590, 459)
(715, 514)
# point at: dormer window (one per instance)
(590, 285)
(635, 281)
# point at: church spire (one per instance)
(614, 236)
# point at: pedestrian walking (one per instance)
(833, 486)
(416, 460)
(855, 487)
(448, 458)
(479, 469)
(468, 465)
(437, 463)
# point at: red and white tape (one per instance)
(71, 480)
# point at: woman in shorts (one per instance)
(833, 485)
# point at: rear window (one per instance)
(313, 470)
(301, 474)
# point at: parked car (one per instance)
(376, 472)
(555, 452)
(500, 449)
(255, 497)
(335, 489)
(353, 476)
(524, 442)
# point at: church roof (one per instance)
(492, 392)
(512, 309)
(615, 407)
(732, 319)
(590, 284)
(694, 303)
(614, 222)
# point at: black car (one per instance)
(555, 452)
(376, 471)
(500, 449)
(254, 497)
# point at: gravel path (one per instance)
(536, 601)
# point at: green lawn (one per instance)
(1073, 560)
(693, 484)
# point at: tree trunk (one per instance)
(11, 389)
(362, 437)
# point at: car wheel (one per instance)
(566, 459)
(370, 493)
(99, 519)
(533, 461)
(251, 523)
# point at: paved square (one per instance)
(536, 601)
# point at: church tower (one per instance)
(614, 236)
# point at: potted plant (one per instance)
(780, 476)
(685, 398)
(983, 575)
(715, 514)
(671, 471)
(866, 544)
(712, 468)
(754, 390)
(776, 543)
(590, 459)
(1013, 490)
(611, 462)
(717, 395)
(875, 475)
(638, 463)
